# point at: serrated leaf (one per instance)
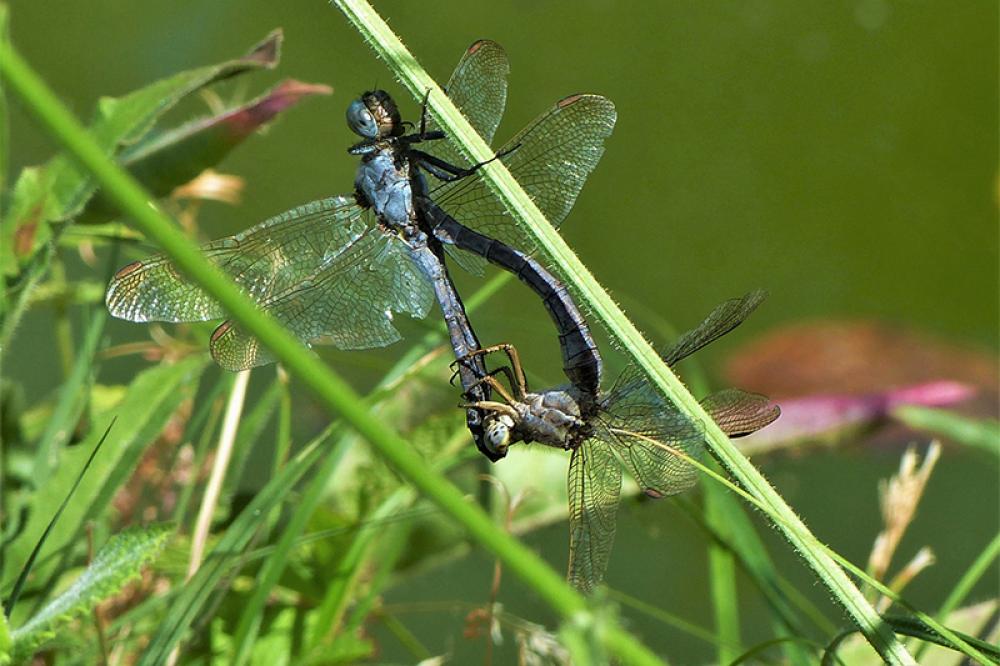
(117, 563)
(151, 399)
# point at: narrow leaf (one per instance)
(60, 188)
(150, 400)
(217, 564)
(163, 161)
(4, 119)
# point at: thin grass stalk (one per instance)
(202, 426)
(722, 579)
(270, 572)
(409, 365)
(860, 573)
(413, 77)
(965, 584)
(334, 392)
(223, 454)
(210, 500)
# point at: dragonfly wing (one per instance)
(740, 413)
(264, 260)
(551, 158)
(720, 321)
(649, 432)
(723, 319)
(478, 87)
(467, 261)
(594, 483)
(349, 302)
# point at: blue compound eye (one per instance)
(361, 121)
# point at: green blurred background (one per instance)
(842, 155)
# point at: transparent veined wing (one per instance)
(594, 483)
(478, 88)
(740, 413)
(264, 260)
(721, 320)
(553, 157)
(322, 269)
(647, 432)
(348, 302)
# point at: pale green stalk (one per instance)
(413, 77)
(337, 395)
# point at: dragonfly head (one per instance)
(497, 427)
(374, 116)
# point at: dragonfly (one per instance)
(631, 425)
(337, 270)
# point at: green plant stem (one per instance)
(336, 394)
(71, 404)
(965, 584)
(385, 43)
(722, 578)
(63, 328)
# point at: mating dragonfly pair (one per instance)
(335, 271)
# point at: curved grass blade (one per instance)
(22, 578)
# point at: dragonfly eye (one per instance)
(498, 434)
(361, 121)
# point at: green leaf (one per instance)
(118, 562)
(60, 189)
(908, 626)
(218, 563)
(149, 402)
(123, 121)
(12, 598)
(168, 159)
(6, 644)
(164, 160)
(69, 407)
(24, 214)
(980, 433)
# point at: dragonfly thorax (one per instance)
(552, 418)
(384, 182)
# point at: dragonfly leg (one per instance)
(448, 172)
(492, 382)
(492, 406)
(423, 114)
(519, 384)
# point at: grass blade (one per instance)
(15, 594)
(412, 76)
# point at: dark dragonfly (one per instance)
(335, 271)
(632, 423)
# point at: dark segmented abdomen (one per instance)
(463, 338)
(581, 359)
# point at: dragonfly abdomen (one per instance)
(581, 359)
